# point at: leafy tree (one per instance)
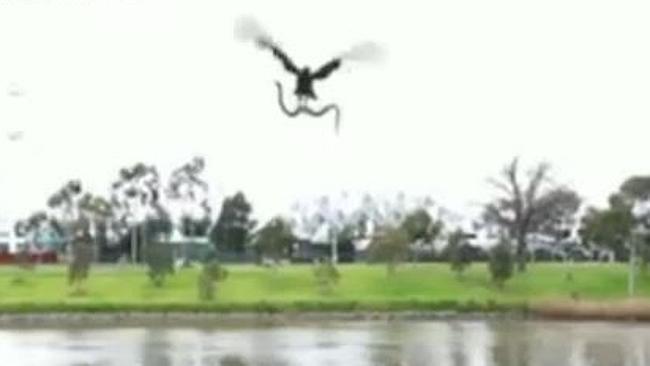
(35, 225)
(345, 247)
(135, 195)
(501, 264)
(233, 227)
(98, 212)
(557, 213)
(211, 273)
(70, 206)
(274, 240)
(94, 208)
(346, 220)
(66, 197)
(326, 215)
(390, 246)
(419, 225)
(327, 276)
(64, 204)
(387, 211)
(421, 228)
(535, 206)
(195, 227)
(158, 227)
(636, 188)
(394, 211)
(610, 227)
(459, 250)
(187, 187)
(613, 226)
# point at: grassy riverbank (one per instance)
(426, 287)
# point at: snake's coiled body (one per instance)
(305, 109)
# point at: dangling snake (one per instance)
(307, 110)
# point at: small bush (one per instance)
(459, 252)
(391, 246)
(211, 273)
(25, 266)
(82, 255)
(160, 259)
(327, 276)
(501, 263)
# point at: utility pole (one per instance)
(639, 212)
(334, 246)
(632, 269)
(134, 243)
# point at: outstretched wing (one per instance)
(327, 69)
(286, 61)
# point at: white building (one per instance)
(8, 239)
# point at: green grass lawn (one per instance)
(293, 287)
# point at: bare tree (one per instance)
(528, 205)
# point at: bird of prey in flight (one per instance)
(248, 29)
(304, 77)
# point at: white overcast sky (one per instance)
(466, 86)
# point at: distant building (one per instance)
(307, 251)
(48, 239)
(190, 247)
(9, 242)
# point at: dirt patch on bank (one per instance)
(633, 309)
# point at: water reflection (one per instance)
(156, 348)
(453, 343)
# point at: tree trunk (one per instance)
(632, 268)
(521, 254)
(144, 245)
(335, 252)
(390, 268)
(133, 244)
(500, 284)
(459, 275)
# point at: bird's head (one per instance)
(305, 70)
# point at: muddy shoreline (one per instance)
(627, 310)
(210, 319)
